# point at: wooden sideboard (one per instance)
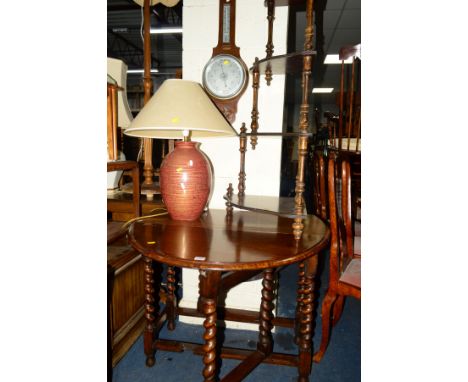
(126, 309)
(127, 301)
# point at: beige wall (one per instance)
(200, 23)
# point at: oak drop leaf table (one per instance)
(228, 249)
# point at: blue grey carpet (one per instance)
(340, 363)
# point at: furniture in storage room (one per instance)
(125, 268)
(341, 133)
(126, 273)
(345, 254)
(297, 62)
(344, 130)
(229, 248)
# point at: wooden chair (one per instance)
(345, 132)
(345, 264)
(320, 204)
(115, 230)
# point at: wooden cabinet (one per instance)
(127, 300)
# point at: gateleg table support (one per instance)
(237, 249)
(306, 321)
(149, 334)
(209, 282)
(265, 339)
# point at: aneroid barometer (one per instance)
(225, 76)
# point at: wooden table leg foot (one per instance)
(150, 361)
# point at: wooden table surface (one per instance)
(228, 249)
(246, 241)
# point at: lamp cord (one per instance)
(141, 26)
(139, 218)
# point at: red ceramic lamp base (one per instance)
(185, 178)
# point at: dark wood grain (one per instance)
(290, 63)
(127, 295)
(274, 205)
(250, 241)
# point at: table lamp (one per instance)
(181, 109)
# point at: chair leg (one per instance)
(337, 309)
(327, 305)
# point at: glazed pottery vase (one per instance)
(185, 179)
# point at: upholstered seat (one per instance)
(352, 273)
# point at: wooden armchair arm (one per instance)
(121, 165)
(129, 165)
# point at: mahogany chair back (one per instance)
(345, 263)
(341, 224)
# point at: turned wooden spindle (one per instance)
(265, 339)
(149, 312)
(299, 204)
(269, 45)
(170, 298)
(242, 149)
(254, 114)
(230, 193)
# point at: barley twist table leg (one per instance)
(149, 312)
(170, 299)
(299, 301)
(265, 339)
(306, 320)
(209, 359)
(209, 282)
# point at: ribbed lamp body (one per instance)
(185, 179)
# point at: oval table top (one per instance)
(246, 241)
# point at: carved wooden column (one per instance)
(209, 282)
(298, 226)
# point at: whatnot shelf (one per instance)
(273, 205)
(283, 64)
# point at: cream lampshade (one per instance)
(117, 69)
(181, 109)
(117, 75)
